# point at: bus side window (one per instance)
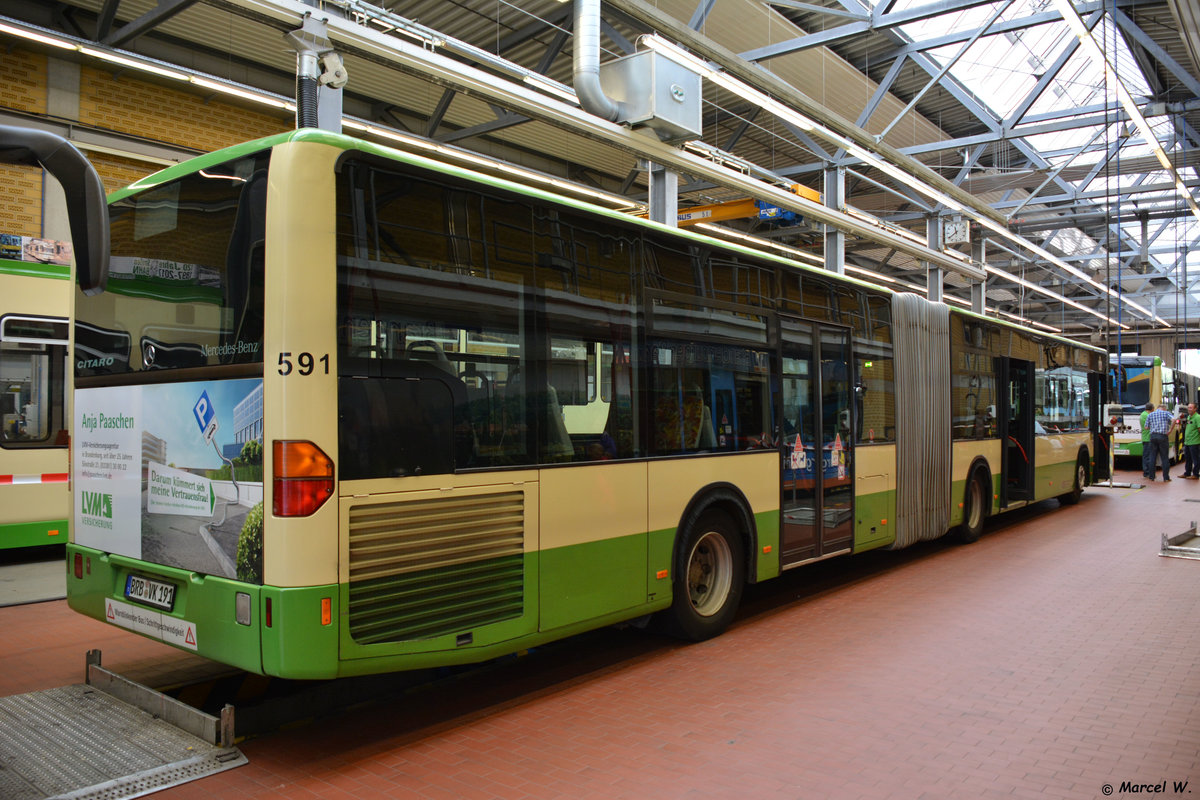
(397, 426)
(34, 389)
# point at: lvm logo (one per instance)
(97, 504)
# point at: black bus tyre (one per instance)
(975, 508)
(1072, 497)
(709, 578)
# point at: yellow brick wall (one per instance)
(23, 81)
(20, 200)
(116, 172)
(169, 115)
(22, 88)
(121, 104)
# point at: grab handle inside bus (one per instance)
(87, 207)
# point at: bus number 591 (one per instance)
(305, 363)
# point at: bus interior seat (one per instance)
(429, 350)
(691, 431)
(556, 444)
(481, 396)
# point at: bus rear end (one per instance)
(168, 455)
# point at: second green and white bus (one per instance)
(34, 382)
(1138, 380)
(35, 307)
(343, 409)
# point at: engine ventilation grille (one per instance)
(425, 568)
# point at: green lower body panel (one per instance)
(587, 580)
(1128, 449)
(33, 534)
(767, 561)
(1052, 480)
(873, 514)
(300, 639)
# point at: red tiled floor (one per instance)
(1054, 656)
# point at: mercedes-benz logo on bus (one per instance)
(148, 354)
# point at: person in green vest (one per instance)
(1191, 444)
(1147, 453)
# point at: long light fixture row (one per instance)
(277, 102)
(616, 201)
(146, 66)
(723, 79)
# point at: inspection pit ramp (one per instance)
(107, 739)
(1182, 545)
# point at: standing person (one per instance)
(1147, 453)
(1162, 425)
(1191, 444)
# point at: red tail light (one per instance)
(303, 478)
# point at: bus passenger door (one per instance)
(817, 487)
(1016, 430)
(1098, 426)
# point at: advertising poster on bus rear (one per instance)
(168, 473)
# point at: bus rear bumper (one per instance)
(201, 616)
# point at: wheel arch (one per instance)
(729, 499)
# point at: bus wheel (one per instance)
(1072, 497)
(708, 581)
(975, 506)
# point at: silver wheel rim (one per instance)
(1080, 477)
(709, 573)
(975, 499)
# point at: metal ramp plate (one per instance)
(1183, 545)
(79, 742)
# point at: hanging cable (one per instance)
(1108, 178)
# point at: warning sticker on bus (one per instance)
(178, 632)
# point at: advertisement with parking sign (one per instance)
(168, 473)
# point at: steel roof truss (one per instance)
(135, 28)
(880, 20)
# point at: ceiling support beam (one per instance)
(878, 21)
(1057, 171)
(1131, 29)
(945, 68)
(835, 240)
(881, 91)
(1048, 77)
(136, 27)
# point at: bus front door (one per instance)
(1016, 430)
(817, 450)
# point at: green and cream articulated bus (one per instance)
(342, 409)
